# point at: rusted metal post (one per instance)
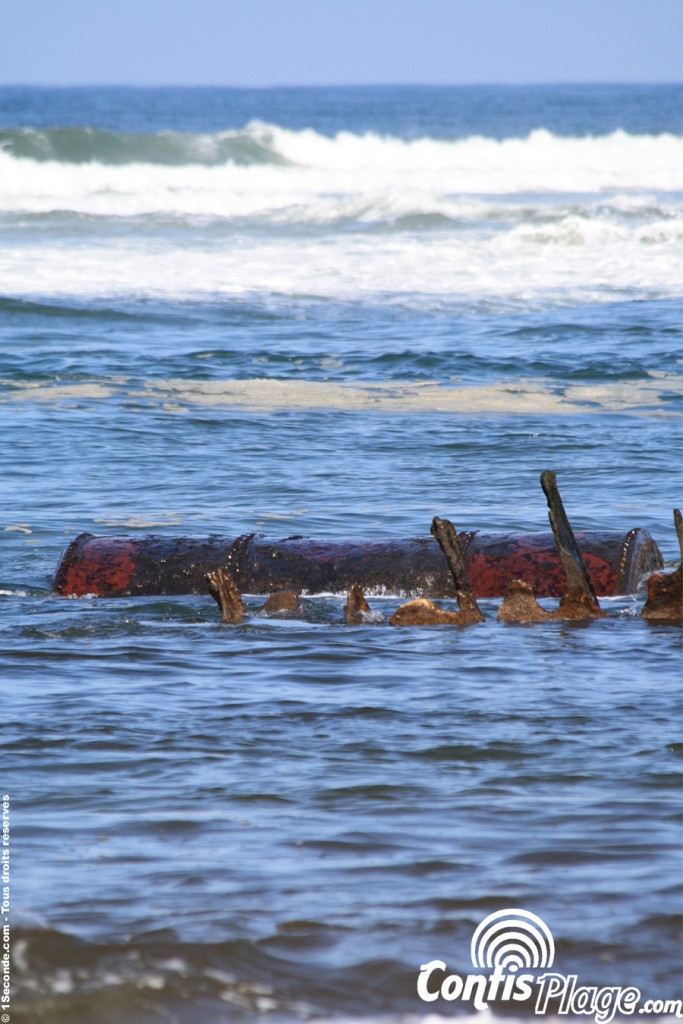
(578, 600)
(665, 590)
(224, 591)
(445, 534)
(424, 612)
(356, 607)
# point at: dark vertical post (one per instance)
(224, 591)
(579, 599)
(449, 542)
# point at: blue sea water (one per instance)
(338, 313)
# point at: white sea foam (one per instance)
(315, 167)
(543, 218)
(572, 262)
(522, 396)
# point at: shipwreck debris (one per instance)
(115, 566)
(423, 612)
(665, 589)
(519, 604)
(356, 608)
(450, 543)
(578, 600)
(286, 601)
(225, 592)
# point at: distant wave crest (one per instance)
(274, 174)
(253, 145)
(258, 143)
(298, 212)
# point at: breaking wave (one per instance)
(230, 210)
(155, 171)
(253, 145)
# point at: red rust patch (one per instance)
(489, 576)
(102, 566)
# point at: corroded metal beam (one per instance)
(414, 567)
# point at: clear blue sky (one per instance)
(302, 42)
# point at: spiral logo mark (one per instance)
(512, 939)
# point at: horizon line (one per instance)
(342, 85)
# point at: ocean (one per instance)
(333, 312)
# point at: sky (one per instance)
(354, 42)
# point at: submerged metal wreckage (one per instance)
(517, 567)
